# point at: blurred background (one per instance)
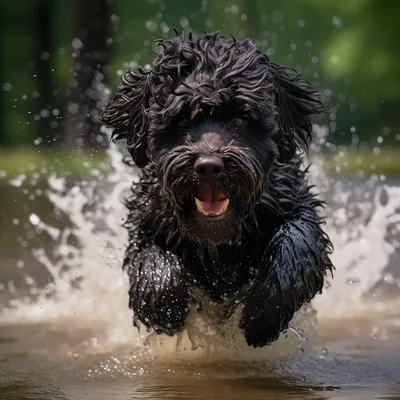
(58, 56)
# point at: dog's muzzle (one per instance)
(210, 202)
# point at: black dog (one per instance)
(223, 204)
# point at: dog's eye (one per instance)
(183, 123)
(239, 122)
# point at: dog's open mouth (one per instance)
(211, 202)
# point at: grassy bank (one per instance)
(78, 164)
(386, 162)
(67, 163)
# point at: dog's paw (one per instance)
(264, 318)
(169, 312)
(164, 311)
(158, 295)
(261, 331)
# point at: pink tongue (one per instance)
(211, 200)
(206, 195)
(211, 207)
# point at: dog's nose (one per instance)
(209, 167)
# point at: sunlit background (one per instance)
(63, 301)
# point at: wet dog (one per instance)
(223, 204)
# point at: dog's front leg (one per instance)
(292, 273)
(158, 294)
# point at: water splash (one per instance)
(86, 281)
(362, 252)
(88, 289)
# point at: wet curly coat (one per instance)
(223, 102)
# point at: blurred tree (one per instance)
(44, 14)
(359, 54)
(89, 72)
(18, 83)
(348, 49)
(135, 29)
(3, 133)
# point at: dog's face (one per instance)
(212, 115)
(212, 168)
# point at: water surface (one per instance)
(65, 328)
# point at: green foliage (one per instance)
(347, 48)
(385, 162)
(365, 46)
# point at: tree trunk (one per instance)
(44, 14)
(3, 127)
(88, 75)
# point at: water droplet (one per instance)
(301, 23)
(115, 19)
(73, 108)
(7, 86)
(334, 59)
(18, 181)
(77, 43)
(44, 113)
(234, 9)
(337, 22)
(277, 16)
(376, 150)
(34, 219)
(45, 56)
(386, 130)
(151, 26)
(184, 22)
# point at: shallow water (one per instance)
(65, 328)
(58, 361)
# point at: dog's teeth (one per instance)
(223, 207)
(199, 205)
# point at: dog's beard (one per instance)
(206, 232)
(240, 185)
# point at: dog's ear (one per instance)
(295, 102)
(126, 113)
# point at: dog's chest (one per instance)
(222, 272)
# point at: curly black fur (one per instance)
(214, 96)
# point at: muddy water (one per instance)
(65, 330)
(58, 361)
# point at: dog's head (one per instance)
(212, 115)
